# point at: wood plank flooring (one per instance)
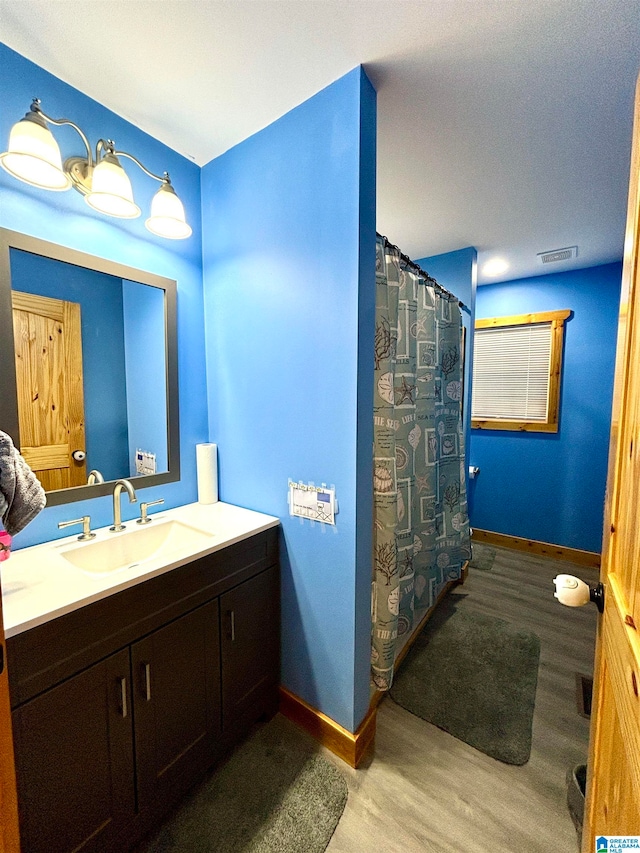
(425, 790)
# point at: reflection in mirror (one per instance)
(91, 392)
(95, 373)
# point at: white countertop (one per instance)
(39, 584)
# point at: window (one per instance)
(517, 363)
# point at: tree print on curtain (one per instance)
(421, 535)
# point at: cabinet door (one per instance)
(250, 636)
(176, 678)
(74, 761)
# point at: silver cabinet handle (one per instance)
(233, 626)
(146, 670)
(123, 697)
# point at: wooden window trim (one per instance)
(557, 320)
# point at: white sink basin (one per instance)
(136, 545)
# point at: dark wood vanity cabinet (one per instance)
(120, 707)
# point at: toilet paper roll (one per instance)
(207, 471)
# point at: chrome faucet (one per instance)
(117, 489)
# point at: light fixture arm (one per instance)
(164, 179)
(59, 122)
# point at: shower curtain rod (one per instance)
(407, 260)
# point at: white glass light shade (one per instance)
(111, 191)
(34, 156)
(167, 215)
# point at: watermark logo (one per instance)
(617, 843)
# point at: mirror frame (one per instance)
(8, 386)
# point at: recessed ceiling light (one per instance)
(496, 266)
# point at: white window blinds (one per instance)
(511, 368)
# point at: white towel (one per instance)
(22, 492)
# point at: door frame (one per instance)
(629, 319)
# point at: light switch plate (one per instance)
(317, 503)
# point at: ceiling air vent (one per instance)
(556, 255)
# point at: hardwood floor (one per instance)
(427, 791)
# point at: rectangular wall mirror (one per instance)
(89, 378)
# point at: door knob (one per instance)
(79, 455)
(573, 592)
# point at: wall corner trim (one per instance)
(346, 745)
(591, 559)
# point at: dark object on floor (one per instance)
(584, 690)
(475, 677)
(274, 794)
(576, 786)
(482, 557)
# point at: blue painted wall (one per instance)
(458, 273)
(289, 266)
(103, 358)
(66, 219)
(146, 369)
(550, 487)
(289, 262)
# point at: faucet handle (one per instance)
(85, 521)
(144, 518)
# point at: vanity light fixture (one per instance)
(34, 157)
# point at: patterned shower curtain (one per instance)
(421, 526)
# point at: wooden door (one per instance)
(613, 785)
(74, 761)
(176, 688)
(48, 350)
(250, 642)
(9, 836)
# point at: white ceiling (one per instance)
(502, 124)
